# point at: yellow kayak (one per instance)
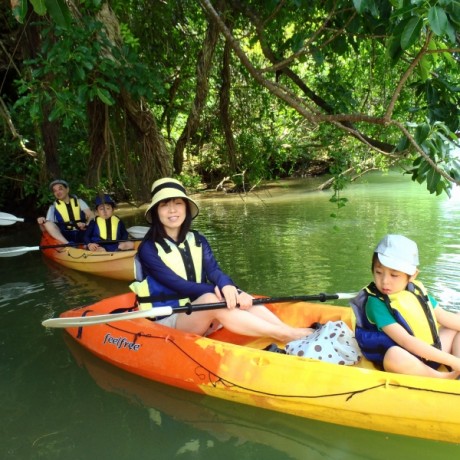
(117, 265)
(237, 368)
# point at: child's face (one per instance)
(105, 211)
(389, 281)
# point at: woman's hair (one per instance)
(157, 231)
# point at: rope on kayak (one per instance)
(214, 379)
(88, 254)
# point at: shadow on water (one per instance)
(217, 423)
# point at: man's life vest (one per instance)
(410, 308)
(67, 215)
(185, 259)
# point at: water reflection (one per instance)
(278, 242)
(241, 427)
(18, 292)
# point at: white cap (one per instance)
(398, 253)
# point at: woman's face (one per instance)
(172, 215)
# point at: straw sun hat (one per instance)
(165, 189)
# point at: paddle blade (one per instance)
(107, 318)
(347, 295)
(9, 219)
(17, 251)
(138, 231)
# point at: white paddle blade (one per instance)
(104, 319)
(17, 251)
(347, 295)
(138, 231)
(9, 219)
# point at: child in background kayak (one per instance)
(105, 227)
(67, 217)
(178, 266)
(400, 326)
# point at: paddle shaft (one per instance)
(20, 250)
(190, 308)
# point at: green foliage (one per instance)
(352, 56)
(437, 142)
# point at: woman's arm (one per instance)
(211, 268)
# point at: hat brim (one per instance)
(396, 264)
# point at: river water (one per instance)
(60, 403)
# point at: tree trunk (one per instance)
(48, 129)
(144, 154)
(224, 111)
(147, 158)
(202, 85)
(98, 122)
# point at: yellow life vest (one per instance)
(63, 216)
(407, 304)
(149, 291)
(102, 227)
(171, 255)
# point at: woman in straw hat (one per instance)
(178, 267)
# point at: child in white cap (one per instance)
(400, 326)
(178, 267)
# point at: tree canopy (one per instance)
(114, 95)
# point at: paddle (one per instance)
(9, 219)
(138, 231)
(20, 250)
(166, 311)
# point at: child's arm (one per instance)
(420, 348)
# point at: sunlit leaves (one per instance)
(437, 19)
(436, 141)
(411, 32)
(19, 8)
(39, 6)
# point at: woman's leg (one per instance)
(256, 322)
(450, 340)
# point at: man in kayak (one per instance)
(67, 217)
(178, 267)
(106, 226)
(397, 321)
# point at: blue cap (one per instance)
(104, 199)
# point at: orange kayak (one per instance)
(116, 265)
(237, 368)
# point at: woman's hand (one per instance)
(235, 298)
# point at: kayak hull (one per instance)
(117, 265)
(236, 368)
